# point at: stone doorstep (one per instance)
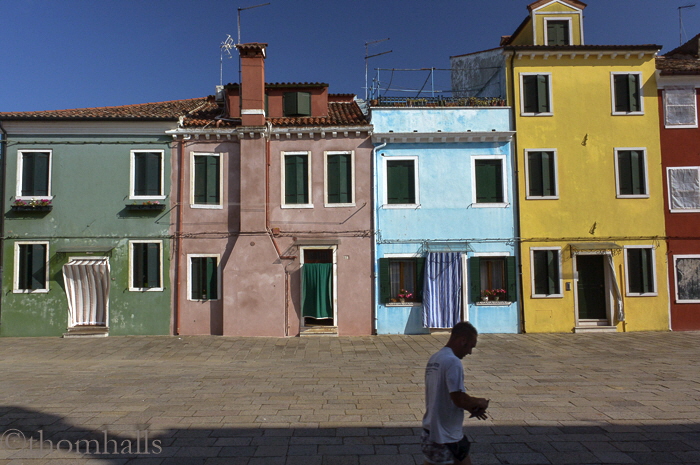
(318, 331)
(595, 329)
(87, 331)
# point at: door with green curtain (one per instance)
(317, 287)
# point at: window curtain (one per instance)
(442, 290)
(685, 188)
(87, 289)
(317, 290)
(619, 308)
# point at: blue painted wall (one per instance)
(446, 219)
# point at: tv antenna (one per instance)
(225, 47)
(680, 21)
(239, 18)
(368, 56)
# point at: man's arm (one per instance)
(475, 405)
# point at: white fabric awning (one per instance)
(87, 289)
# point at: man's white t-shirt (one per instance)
(443, 374)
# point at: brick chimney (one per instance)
(252, 90)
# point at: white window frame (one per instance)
(326, 154)
(556, 175)
(218, 275)
(504, 174)
(532, 274)
(15, 279)
(653, 272)
(675, 278)
(612, 93)
(193, 204)
(132, 176)
(18, 190)
(416, 178)
(309, 177)
(555, 18)
(668, 177)
(549, 89)
(617, 174)
(131, 266)
(692, 90)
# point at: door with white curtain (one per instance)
(87, 289)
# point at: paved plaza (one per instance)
(555, 399)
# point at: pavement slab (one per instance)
(555, 399)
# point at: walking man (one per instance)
(443, 441)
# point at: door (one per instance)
(87, 289)
(317, 287)
(592, 294)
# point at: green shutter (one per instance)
(152, 267)
(548, 181)
(622, 93)
(296, 178)
(297, 103)
(633, 86)
(646, 270)
(32, 266)
(511, 280)
(206, 180)
(27, 174)
(535, 174)
(401, 183)
(138, 263)
(420, 277)
(475, 279)
(196, 278)
(557, 33)
(553, 272)
(542, 93)
(384, 281)
(212, 284)
(539, 258)
(530, 94)
(489, 181)
(339, 173)
(147, 174)
(631, 172)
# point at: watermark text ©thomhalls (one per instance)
(14, 439)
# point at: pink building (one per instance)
(272, 226)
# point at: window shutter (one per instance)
(511, 280)
(401, 184)
(475, 279)
(624, 169)
(530, 94)
(339, 172)
(489, 181)
(196, 276)
(548, 185)
(637, 172)
(296, 179)
(539, 258)
(542, 93)
(152, 268)
(553, 272)
(297, 103)
(200, 180)
(633, 86)
(213, 165)
(333, 176)
(535, 174)
(646, 270)
(28, 174)
(138, 260)
(420, 276)
(211, 278)
(41, 173)
(152, 174)
(621, 93)
(384, 281)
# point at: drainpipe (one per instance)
(267, 134)
(3, 170)
(516, 193)
(375, 224)
(178, 235)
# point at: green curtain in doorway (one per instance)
(317, 290)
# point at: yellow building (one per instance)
(593, 255)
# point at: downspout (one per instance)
(178, 235)
(375, 225)
(267, 134)
(3, 170)
(516, 193)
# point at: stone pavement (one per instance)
(555, 399)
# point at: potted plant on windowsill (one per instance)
(149, 205)
(494, 294)
(32, 205)
(405, 296)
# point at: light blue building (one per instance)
(445, 215)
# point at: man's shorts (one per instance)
(443, 454)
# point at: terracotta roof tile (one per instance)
(678, 66)
(170, 110)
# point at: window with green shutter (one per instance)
(640, 270)
(145, 265)
(631, 171)
(401, 276)
(339, 178)
(546, 272)
(558, 33)
(31, 266)
(297, 103)
(491, 273)
(489, 180)
(627, 93)
(296, 179)
(147, 174)
(207, 180)
(401, 182)
(541, 174)
(35, 174)
(204, 279)
(535, 93)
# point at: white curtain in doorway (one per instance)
(442, 290)
(87, 289)
(619, 309)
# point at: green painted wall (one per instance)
(90, 187)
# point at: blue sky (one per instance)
(59, 54)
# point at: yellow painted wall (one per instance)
(585, 133)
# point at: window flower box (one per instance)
(32, 205)
(146, 206)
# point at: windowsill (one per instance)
(404, 304)
(301, 205)
(550, 296)
(537, 114)
(146, 198)
(689, 210)
(338, 205)
(207, 207)
(490, 205)
(631, 113)
(30, 291)
(681, 126)
(542, 198)
(650, 294)
(146, 289)
(390, 206)
(632, 196)
(494, 303)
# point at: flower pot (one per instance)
(402, 300)
(486, 298)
